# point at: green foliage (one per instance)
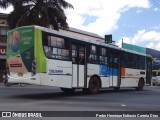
(37, 12)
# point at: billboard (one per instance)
(134, 48)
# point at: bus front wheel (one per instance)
(140, 85)
(68, 90)
(94, 85)
(7, 84)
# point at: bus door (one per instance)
(114, 68)
(79, 65)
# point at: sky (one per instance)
(137, 22)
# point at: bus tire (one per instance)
(116, 88)
(22, 85)
(94, 85)
(140, 84)
(68, 90)
(85, 90)
(7, 84)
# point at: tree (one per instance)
(37, 12)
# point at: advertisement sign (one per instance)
(134, 48)
(20, 49)
(2, 50)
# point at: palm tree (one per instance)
(37, 12)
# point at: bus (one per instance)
(43, 56)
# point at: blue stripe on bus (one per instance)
(105, 70)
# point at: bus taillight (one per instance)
(142, 72)
(34, 67)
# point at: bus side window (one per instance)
(133, 61)
(56, 47)
(65, 54)
(115, 60)
(74, 53)
(48, 51)
(125, 60)
(106, 60)
(81, 55)
(55, 52)
(102, 57)
(93, 57)
(141, 62)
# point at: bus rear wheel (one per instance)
(68, 90)
(85, 90)
(140, 85)
(94, 85)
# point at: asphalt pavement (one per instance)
(45, 98)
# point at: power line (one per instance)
(156, 3)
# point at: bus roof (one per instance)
(64, 34)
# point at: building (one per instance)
(3, 37)
(155, 54)
(83, 34)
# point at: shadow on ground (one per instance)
(62, 95)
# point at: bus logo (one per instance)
(6, 114)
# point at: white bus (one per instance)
(43, 56)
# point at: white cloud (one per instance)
(156, 9)
(150, 45)
(139, 11)
(154, 46)
(107, 12)
(76, 21)
(150, 39)
(8, 10)
(156, 27)
(138, 3)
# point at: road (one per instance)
(42, 98)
